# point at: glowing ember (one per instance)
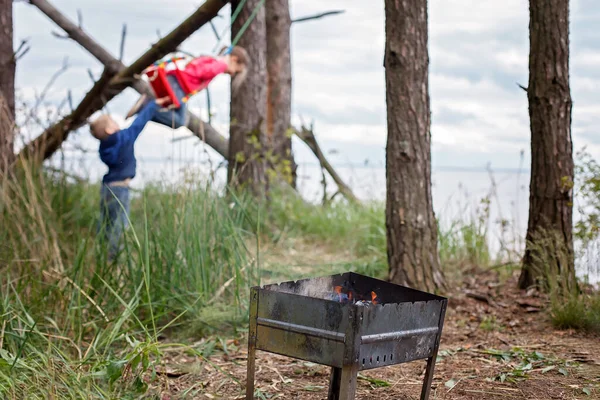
(344, 295)
(374, 298)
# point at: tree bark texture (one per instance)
(7, 84)
(279, 88)
(549, 241)
(247, 139)
(410, 221)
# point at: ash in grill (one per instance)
(349, 322)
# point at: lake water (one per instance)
(457, 193)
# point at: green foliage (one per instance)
(490, 324)
(73, 325)
(578, 311)
(465, 240)
(587, 189)
(520, 363)
(570, 307)
(355, 228)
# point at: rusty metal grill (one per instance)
(302, 319)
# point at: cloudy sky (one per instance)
(478, 51)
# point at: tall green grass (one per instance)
(360, 228)
(72, 323)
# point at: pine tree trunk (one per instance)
(247, 143)
(279, 89)
(549, 248)
(7, 84)
(410, 221)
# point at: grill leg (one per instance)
(342, 385)
(348, 382)
(251, 345)
(431, 360)
(334, 383)
(250, 371)
(428, 377)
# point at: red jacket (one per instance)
(198, 73)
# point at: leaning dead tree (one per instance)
(308, 137)
(121, 77)
(75, 32)
(52, 138)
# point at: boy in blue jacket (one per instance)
(117, 152)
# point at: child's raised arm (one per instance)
(143, 118)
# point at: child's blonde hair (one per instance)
(99, 126)
(244, 60)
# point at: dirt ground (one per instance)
(497, 343)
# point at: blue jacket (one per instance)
(117, 151)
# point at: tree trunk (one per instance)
(247, 139)
(279, 88)
(549, 248)
(7, 84)
(410, 221)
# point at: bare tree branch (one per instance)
(22, 54)
(23, 43)
(59, 35)
(33, 112)
(47, 143)
(91, 75)
(208, 105)
(214, 29)
(522, 87)
(21, 50)
(308, 137)
(53, 78)
(123, 76)
(70, 98)
(318, 16)
(123, 36)
(187, 53)
(79, 18)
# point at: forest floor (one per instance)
(497, 343)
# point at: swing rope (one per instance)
(234, 16)
(245, 26)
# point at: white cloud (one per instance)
(478, 50)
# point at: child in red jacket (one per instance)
(198, 73)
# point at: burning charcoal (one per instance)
(374, 298)
(343, 295)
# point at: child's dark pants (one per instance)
(114, 216)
